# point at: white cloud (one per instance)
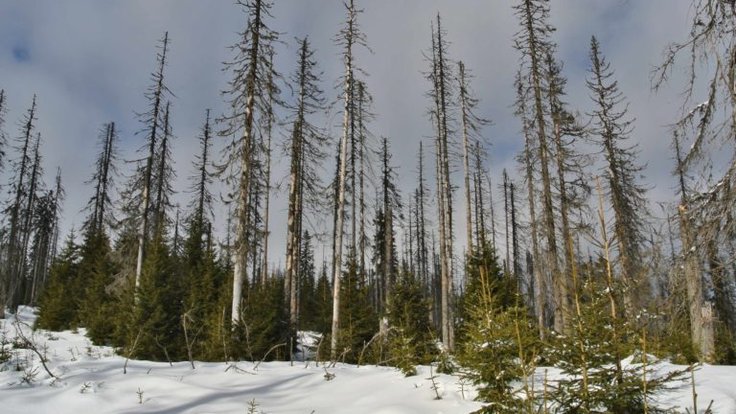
(89, 62)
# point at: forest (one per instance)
(561, 260)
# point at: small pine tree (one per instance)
(96, 310)
(322, 313)
(58, 303)
(158, 307)
(358, 321)
(411, 339)
(306, 279)
(498, 342)
(264, 323)
(596, 377)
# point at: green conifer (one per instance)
(59, 302)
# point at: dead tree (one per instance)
(156, 94)
(440, 77)
(708, 123)
(306, 149)
(534, 44)
(19, 184)
(248, 92)
(349, 36)
(626, 195)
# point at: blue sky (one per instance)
(89, 62)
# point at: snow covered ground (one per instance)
(91, 380)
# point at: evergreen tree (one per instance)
(498, 344)
(159, 306)
(323, 301)
(591, 355)
(265, 323)
(59, 301)
(358, 321)
(96, 272)
(411, 337)
(97, 305)
(308, 297)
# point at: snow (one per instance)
(91, 380)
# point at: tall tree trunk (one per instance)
(161, 200)
(446, 242)
(341, 180)
(564, 290)
(105, 178)
(268, 131)
(143, 228)
(514, 235)
(466, 160)
(361, 156)
(548, 222)
(21, 292)
(507, 263)
(700, 311)
(246, 165)
(12, 273)
(540, 281)
(292, 232)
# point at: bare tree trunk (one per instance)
(507, 263)
(20, 291)
(421, 232)
(548, 223)
(246, 165)
(14, 254)
(540, 292)
(514, 235)
(143, 229)
(160, 203)
(341, 179)
(466, 162)
(480, 236)
(361, 155)
(569, 261)
(445, 198)
(105, 179)
(268, 130)
(724, 309)
(701, 313)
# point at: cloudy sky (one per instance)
(90, 61)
